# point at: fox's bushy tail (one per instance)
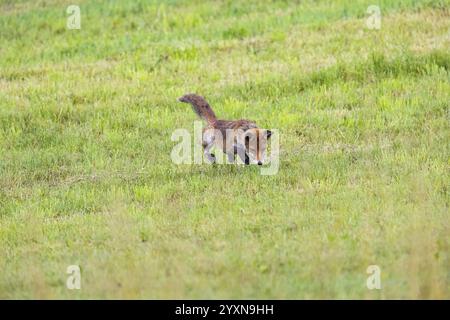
(200, 106)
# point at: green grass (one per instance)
(86, 176)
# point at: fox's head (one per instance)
(256, 144)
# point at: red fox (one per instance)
(241, 137)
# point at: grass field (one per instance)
(86, 176)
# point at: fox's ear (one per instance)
(268, 134)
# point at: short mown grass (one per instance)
(86, 178)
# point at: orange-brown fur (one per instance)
(241, 137)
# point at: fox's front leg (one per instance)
(242, 153)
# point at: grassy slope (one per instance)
(85, 172)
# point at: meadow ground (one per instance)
(86, 176)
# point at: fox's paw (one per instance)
(212, 158)
(247, 160)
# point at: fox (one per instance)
(235, 137)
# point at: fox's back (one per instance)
(235, 124)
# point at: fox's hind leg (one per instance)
(207, 152)
(207, 144)
(231, 157)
